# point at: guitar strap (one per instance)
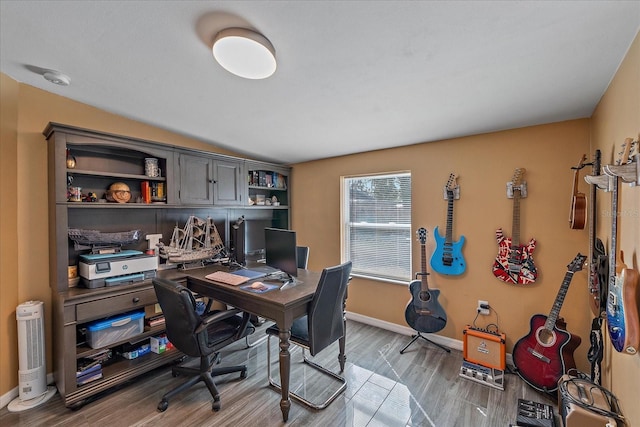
(596, 351)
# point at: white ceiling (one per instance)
(352, 75)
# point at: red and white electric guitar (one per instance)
(514, 263)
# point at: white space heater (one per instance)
(32, 371)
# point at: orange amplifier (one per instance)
(484, 348)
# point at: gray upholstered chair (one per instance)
(302, 254)
(199, 337)
(322, 326)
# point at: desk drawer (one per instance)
(115, 304)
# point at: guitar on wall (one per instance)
(514, 262)
(623, 296)
(598, 263)
(577, 214)
(546, 352)
(447, 257)
(424, 313)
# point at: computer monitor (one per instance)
(280, 248)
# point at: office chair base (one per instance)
(199, 374)
(322, 369)
(419, 335)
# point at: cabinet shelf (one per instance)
(86, 351)
(262, 187)
(115, 175)
(118, 370)
(110, 205)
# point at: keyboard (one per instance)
(227, 278)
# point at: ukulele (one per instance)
(447, 257)
(424, 313)
(578, 200)
(546, 352)
(514, 262)
(598, 264)
(622, 298)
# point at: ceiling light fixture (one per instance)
(57, 78)
(244, 53)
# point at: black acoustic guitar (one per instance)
(424, 313)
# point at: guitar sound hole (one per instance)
(546, 337)
(425, 296)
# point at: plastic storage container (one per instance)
(107, 331)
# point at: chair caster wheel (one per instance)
(243, 374)
(215, 406)
(163, 405)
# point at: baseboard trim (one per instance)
(6, 398)
(405, 330)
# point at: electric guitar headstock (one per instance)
(451, 189)
(422, 235)
(517, 183)
(577, 264)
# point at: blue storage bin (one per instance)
(107, 331)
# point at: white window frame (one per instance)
(386, 265)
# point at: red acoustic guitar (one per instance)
(577, 215)
(546, 353)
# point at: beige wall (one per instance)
(8, 233)
(484, 164)
(618, 117)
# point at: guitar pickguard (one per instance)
(514, 264)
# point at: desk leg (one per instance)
(285, 365)
(342, 358)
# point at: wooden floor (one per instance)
(421, 387)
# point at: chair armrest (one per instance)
(216, 317)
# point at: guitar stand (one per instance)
(419, 335)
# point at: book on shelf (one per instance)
(155, 321)
(85, 379)
(88, 369)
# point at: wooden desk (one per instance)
(283, 307)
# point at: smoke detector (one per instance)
(57, 78)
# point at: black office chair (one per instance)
(198, 336)
(322, 326)
(302, 253)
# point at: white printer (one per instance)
(127, 266)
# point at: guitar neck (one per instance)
(592, 208)
(557, 304)
(423, 265)
(515, 228)
(614, 233)
(449, 237)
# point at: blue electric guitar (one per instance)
(447, 257)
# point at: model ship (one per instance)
(197, 241)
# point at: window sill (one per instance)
(380, 279)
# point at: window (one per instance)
(376, 213)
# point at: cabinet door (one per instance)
(196, 180)
(227, 182)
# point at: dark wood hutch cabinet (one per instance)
(194, 183)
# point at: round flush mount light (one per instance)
(244, 53)
(57, 78)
